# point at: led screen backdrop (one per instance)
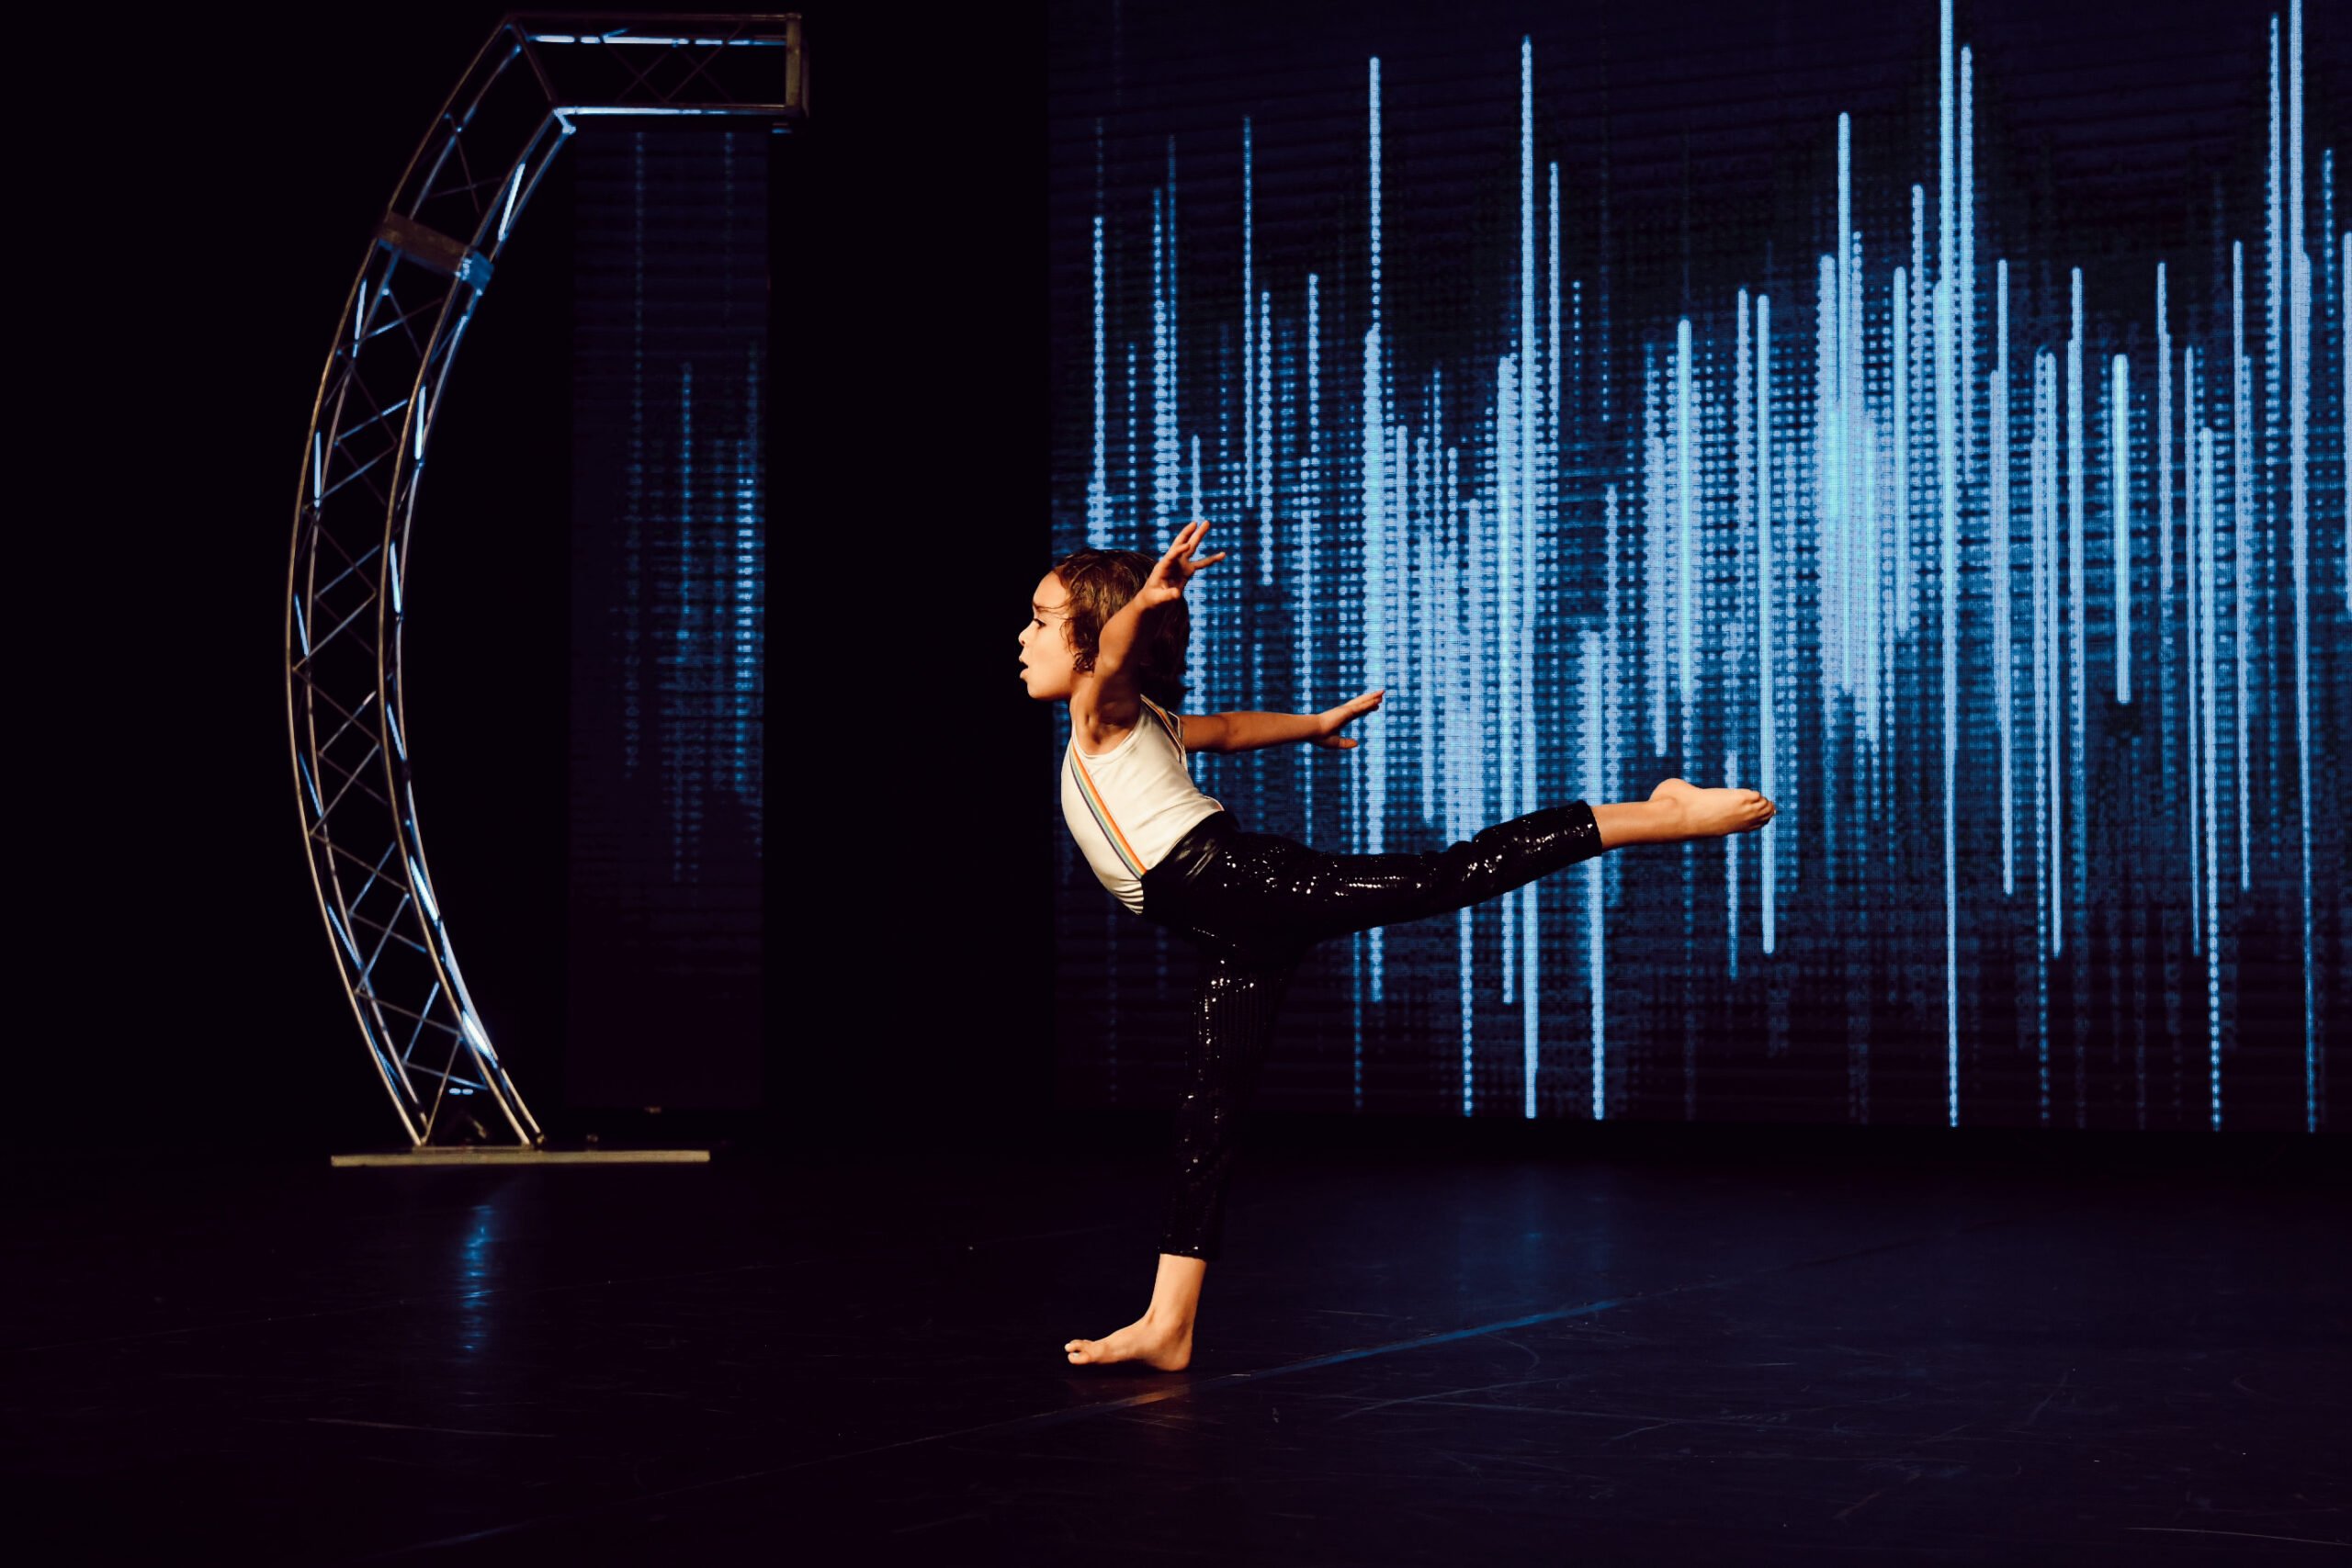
(1935, 422)
(669, 590)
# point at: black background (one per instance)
(203, 200)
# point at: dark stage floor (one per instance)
(1601, 1351)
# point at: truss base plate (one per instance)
(418, 1158)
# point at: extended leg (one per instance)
(1353, 893)
(1262, 883)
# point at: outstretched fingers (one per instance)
(1177, 565)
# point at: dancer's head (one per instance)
(1068, 612)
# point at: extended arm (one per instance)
(1249, 731)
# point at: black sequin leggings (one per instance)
(1254, 903)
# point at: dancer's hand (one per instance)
(1176, 568)
(1354, 707)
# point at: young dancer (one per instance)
(1106, 634)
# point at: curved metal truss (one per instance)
(427, 269)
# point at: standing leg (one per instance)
(1234, 1006)
(1233, 1019)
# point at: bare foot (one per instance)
(1166, 1346)
(1713, 813)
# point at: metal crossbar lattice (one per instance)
(427, 269)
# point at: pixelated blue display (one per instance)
(2026, 602)
(668, 612)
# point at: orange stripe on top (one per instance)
(1102, 815)
(1174, 726)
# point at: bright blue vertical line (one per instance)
(1428, 635)
(1966, 219)
(2077, 685)
(2242, 526)
(1370, 833)
(1266, 438)
(2045, 773)
(1504, 638)
(1588, 666)
(2119, 483)
(1196, 651)
(1098, 499)
(2299, 451)
(2163, 488)
(2344, 408)
(1856, 519)
(1942, 302)
(2330, 289)
(2000, 554)
(2054, 648)
(751, 583)
(1455, 744)
(1948, 498)
(1683, 481)
(1403, 521)
(1831, 429)
(1163, 477)
(1449, 705)
(1551, 498)
(1920, 377)
(2273, 333)
(1529, 375)
(1311, 488)
(1766, 614)
(1862, 552)
(2038, 558)
(2199, 612)
(1842, 285)
(1471, 794)
(1825, 449)
(2298, 511)
(1552, 360)
(2211, 889)
(1175, 315)
(1654, 553)
(1870, 484)
(1947, 172)
(1135, 521)
(1744, 522)
(1731, 873)
(1506, 574)
(1530, 422)
(1250, 340)
(1900, 385)
(2036, 498)
(2295, 134)
(1612, 620)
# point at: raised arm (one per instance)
(1104, 702)
(1249, 731)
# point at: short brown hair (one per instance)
(1100, 583)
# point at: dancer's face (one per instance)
(1047, 666)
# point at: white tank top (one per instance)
(1127, 808)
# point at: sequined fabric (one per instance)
(1254, 903)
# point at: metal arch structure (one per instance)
(428, 266)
